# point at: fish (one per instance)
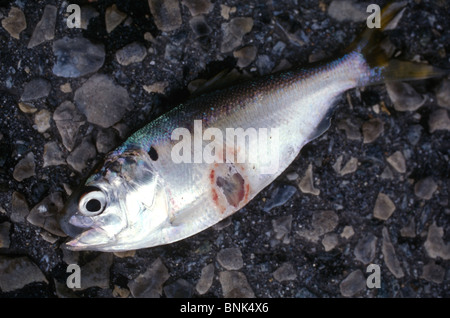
(210, 156)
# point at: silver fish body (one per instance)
(136, 200)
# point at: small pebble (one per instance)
(206, 279)
(66, 88)
(44, 214)
(234, 31)
(68, 122)
(24, 168)
(230, 258)
(149, 284)
(79, 157)
(282, 228)
(96, 273)
(365, 249)
(330, 241)
(404, 96)
(113, 18)
(157, 88)
(425, 188)
(53, 156)
(235, 285)
(306, 184)
(433, 273)
(42, 120)
(390, 258)
(27, 108)
(200, 26)
(439, 120)
(443, 94)
(131, 53)
(166, 14)
(106, 140)
(17, 272)
(372, 129)
(35, 89)
(350, 167)
(4, 234)
(87, 13)
(197, 7)
(353, 284)
(347, 232)
(279, 196)
(285, 272)
(397, 161)
(352, 131)
(347, 10)
(410, 229)
(15, 23)
(435, 245)
(19, 208)
(45, 29)
(322, 222)
(384, 207)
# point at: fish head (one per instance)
(118, 207)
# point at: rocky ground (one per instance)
(373, 190)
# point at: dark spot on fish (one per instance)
(153, 154)
(233, 188)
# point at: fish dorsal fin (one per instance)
(221, 80)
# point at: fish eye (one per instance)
(92, 203)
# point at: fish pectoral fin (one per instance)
(323, 126)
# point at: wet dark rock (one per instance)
(197, 7)
(17, 272)
(131, 53)
(113, 18)
(44, 214)
(279, 196)
(404, 96)
(235, 285)
(372, 129)
(25, 168)
(53, 156)
(179, 289)
(397, 161)
(282, 228)
(390, 258)
(166, 14)
(4, 234)
(435, 245)
(425, 188)
(200, 26)
(233, 33)
(433, 273)
(443, 94)
(15, 23)
(285, 272)
(245, 56)
(149, 284)
(19, 207)
(384, 207)
(68, 121)
(79, 157)
(35, 89)
(102, 101)
(365, 250)
(206, 279)
(354, 283)
(45, 29)
(439, 120)
(306, 184)
(42, 120)
(230, 258)
(76, 57)
(96, 272)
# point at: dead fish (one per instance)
(183, 173)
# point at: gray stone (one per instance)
(4, 234)
(306, 184)
(45, 29)
(404, 96)
(366, 248)
(322, 222)
(17, 272)
(235, 285)
(443, 94)
(435, 245)
(27, 108)
(53, 156)
(410, 229)
(15, 23)
(35, 89)
(200, 26)
(330, 241)
(384, 207)
(397, 161)
(285, 272)
(79, 157)
(433, 273)
(372, 129)
(282, 227)
(68, 121)
(157, 88)
(233, 33)
(264, 64)
(439, 120)
(347, 10)
(390, 258)
(19, 207)
(197, 7)
(96, 272)
(350, 167)
(42, 120)
(354, 283)
(106, 140)
(131, 53)
(179, 289)
(24, 168)
(166, 14)
(245, 56)
(387, 173)
(279, 196)
(76, 57)
(102, 101)
(44, 214)
(113, 17)
(347, 232)
(352, 131)
(206, 279)
(425, 188)
(149, 284)
(230, 258)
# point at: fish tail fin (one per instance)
(381, 68)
